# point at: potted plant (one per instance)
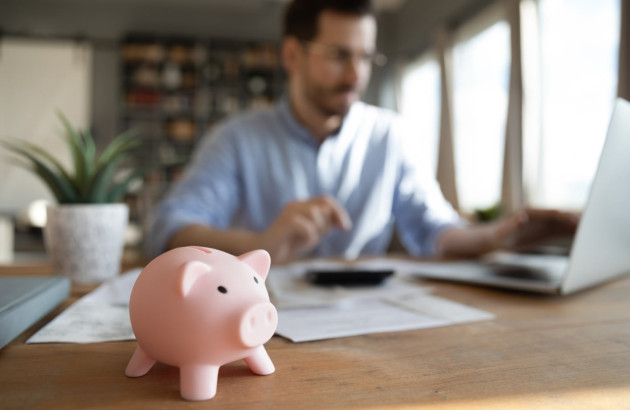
(84, 233)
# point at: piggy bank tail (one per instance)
(139, 364)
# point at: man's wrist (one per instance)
(255, 240)
(493, 238)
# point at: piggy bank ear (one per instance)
(259, 260)
(189, 272)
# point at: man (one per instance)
(321, 173)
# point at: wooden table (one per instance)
(540, 351)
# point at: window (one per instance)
(420, 105)
(481, 68)
(579, 45)
(569, 51)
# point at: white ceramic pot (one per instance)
(85, 241)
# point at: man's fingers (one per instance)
(508, 229)
(305, 233)
(325, 212)
(341, 218)
(337, 214)
(555, 222)
(532, 226)
(318, 217)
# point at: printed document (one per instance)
(306, 311)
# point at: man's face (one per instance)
(335, 67)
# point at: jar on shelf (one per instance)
(181, 130)
(171, 75)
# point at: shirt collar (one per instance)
(298, 130)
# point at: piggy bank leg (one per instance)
(139, 364)
(259, 362)
(198, 382)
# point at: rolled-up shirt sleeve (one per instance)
(421, 210)
(208, 194)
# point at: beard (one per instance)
(332, 101)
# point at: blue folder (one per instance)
(26, 299)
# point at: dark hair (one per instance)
(301, 16)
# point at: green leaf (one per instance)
(45, 155)
(105, 170)
(61, 187)
(118, 190)
(19, 163)
(115, 157)
(101, 181)
(90, 152)
(75, 144)
(92, 180)
(119, 143)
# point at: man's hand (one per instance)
(301, 226)
(516, 232)
(532, 226)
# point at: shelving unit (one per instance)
(175, 89)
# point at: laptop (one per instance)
(601, 247)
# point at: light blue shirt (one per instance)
(245, 172)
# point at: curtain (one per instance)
(512, 188)
(446, 157)
(523, 112)
(623, 85)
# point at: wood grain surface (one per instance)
(566, 352)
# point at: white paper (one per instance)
(289, 287)
(115, 291)
(441, 309)
(86, 322)
(412, 311)
(306, 312)
(100, 316)
(347, 319)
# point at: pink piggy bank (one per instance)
(198, 309)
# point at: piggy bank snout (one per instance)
(258, 324)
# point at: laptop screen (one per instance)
(601, 248)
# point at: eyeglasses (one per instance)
(341, 56)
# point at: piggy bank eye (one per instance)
(255, 279)
(222, 289)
